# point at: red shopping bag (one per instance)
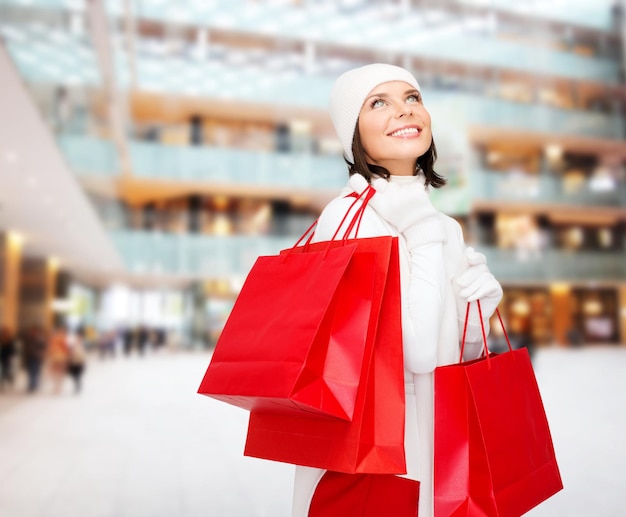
(493, 449)
(373, 442)
(296, 337)
(364, 495)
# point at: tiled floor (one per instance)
(140, 442)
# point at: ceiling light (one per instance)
(15, 238)
(592, 307)
(602, 180)
(560, 288)
(554, 152)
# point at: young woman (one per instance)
(385, 130)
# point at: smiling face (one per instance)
(394, 127)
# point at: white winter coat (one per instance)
(428, 286)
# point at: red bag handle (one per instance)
(358, 216)
(482, 328)
(355, 221)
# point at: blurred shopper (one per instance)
(518, 338)
(76, 358)
(575, 337)
(34, 353)
(523, 339)
(106, 344)
(8, 349)
(58, 354)
(160, 338)
(385, 131)
(143, 339)
(63, 109)
(128, 340)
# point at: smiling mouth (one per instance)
(407, 131)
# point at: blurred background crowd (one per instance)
(36, 360)
(151, 150)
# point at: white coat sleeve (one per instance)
(474, 345)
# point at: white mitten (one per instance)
(477, 283)
(406, 207)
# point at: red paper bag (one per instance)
(364, 495)
(373, 442)
(296, 336)
(493, 449)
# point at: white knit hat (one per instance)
(350, 91)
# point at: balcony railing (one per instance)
(469, 109)
(585, 14)
(91, 156)
(555, 265)
(221, 165)
(191, 255)
(410, 34)
(542, 188)
(218, 257)
(521, 116)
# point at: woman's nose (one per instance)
(404, 109)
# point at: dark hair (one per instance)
(425, 162)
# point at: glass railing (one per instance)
(221, 165)
(213, 257)
(595, 15)
(42, 64)
(488, 50)
(53, 54)
(96, 157)
(468, 109)
(428, 33)
(555, 265)
(155, 72)
(90, 156)
(194, 255)
(93, 156)
(520, 116)
(543, 188)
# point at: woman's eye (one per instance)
(377, 103)
(412, 98)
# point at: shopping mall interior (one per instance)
(150, 151)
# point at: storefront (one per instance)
(564, 314)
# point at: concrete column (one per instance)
(621, 297)
(37, 292)
(59, 288)
(199, 318)
(560, 295)
(620, 20)
(10, 270)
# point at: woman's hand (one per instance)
(406, 207)
(477, 283)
